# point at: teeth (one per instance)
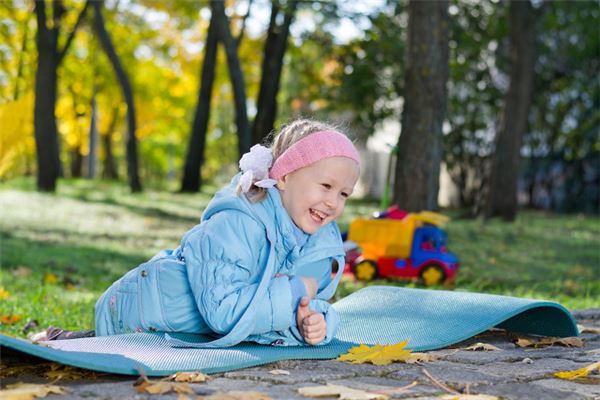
(318, 214)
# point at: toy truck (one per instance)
(413, 247)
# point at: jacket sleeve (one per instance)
(225, 261)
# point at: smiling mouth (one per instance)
(318, 216)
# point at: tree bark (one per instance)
(235, 73)
(131, 146)
(109, 170)
(49, 166)
(46, 132)
(192, 179)
(416, 183)
(93, 140)
(275, 47)
(502, 191)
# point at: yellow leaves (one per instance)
(162, 387)
(578, 373)
(10, 319)
(549, 341)
(29, 391)
(384, 354)
(482, 346)
(4, 294)
(16, 141)
(342, 393)
(65, 372)
(191, 377)
(50, 278)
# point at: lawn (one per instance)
(58, 252)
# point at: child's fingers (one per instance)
(313, 319)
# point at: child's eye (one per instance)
(345, 195)
(326, 185)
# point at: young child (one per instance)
(258, 267)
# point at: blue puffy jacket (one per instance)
(215, 282)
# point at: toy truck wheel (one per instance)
(432, 275)
(366, 270)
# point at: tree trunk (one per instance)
(49, 166)
(416, 183)
(109, 169)
(131, 146)
(194, 159)
(235, 73)
(502, 192)
(275, 46)
(46, 132)
(93, 145)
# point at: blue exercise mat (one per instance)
(430, 319)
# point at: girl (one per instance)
(258, 266)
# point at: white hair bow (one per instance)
(255, 167)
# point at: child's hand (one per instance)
(311, 324)
(311, 286)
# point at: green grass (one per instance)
(58, 252)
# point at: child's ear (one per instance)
(281, 182)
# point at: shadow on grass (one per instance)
(88, 267)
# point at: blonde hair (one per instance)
(282, 140)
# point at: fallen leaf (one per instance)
(4, 294)
(65, 372)
(22, 272)
(279, 372)
(588, 329)
(549, 341)
(578, 373)
(50, 278)
(377, 355)
(237, 395)
(29, 391)
(482, 347)
(468, 397)
(163, 386)
(421, 357)
(10, 319)
(343, 393)
(191, 377)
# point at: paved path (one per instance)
(511, 373)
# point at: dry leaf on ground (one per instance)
(163, 386)
(377, 355)
(549, 341)
(237, 395)
(421, 357)
(58, 371)
(468, 397)
(279, 372)
(10, 319)
(29, 391)
(588, 329)
(578, 373)
(191, 377)
(482, 347)
(342, 393)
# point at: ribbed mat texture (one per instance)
(430, 319)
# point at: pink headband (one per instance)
(312, 148)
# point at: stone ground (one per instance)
(511, 373)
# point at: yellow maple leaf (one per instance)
(4, 294)
(377, 355)
(23, 391)
(341, 392)
(578, 373)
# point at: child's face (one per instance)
(315, 195)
